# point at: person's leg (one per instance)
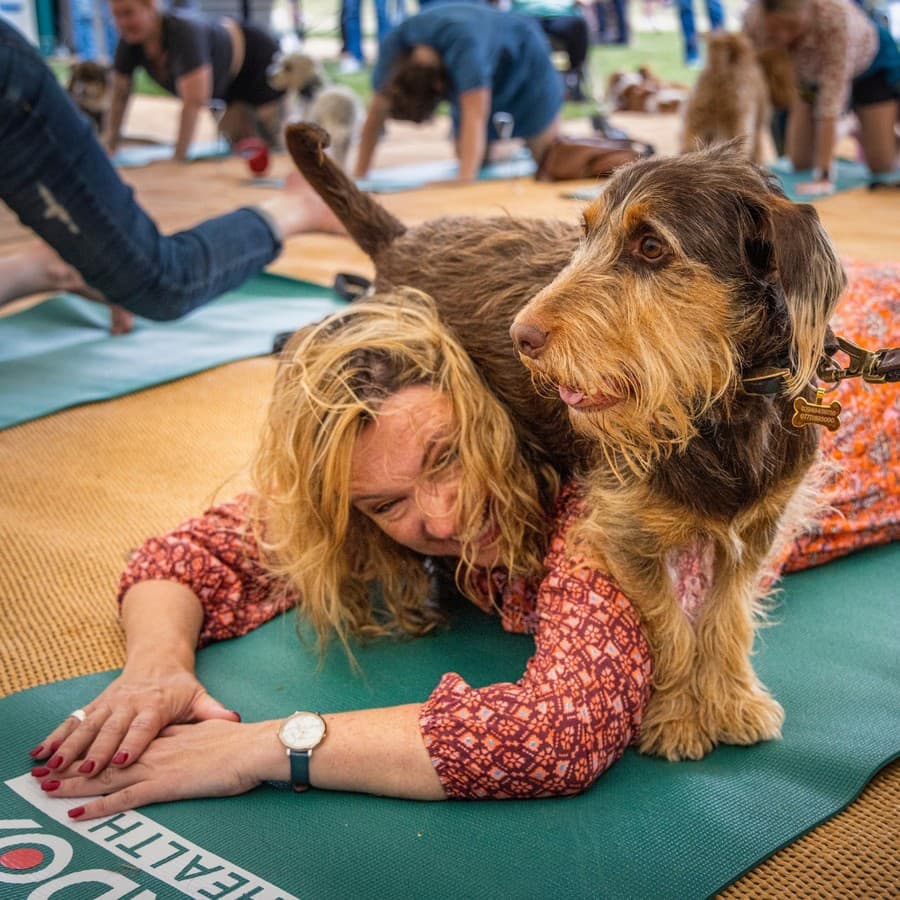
(621, 10)
(716, 15)
(350, 17)
(58, 180)
(688, 31)
(877, 136)
(800, 136)
(383, 19)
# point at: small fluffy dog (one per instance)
(644, 91)
(730, 98)
(335, 108)
(89, 88)
(668, 336)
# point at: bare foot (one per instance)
(299, 209)
(38, 269)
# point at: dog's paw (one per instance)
(752, 717)
(673, 728)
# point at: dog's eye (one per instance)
(651, 248)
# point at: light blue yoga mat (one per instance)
(144, 154)
(407, 178)
(60, 353)
(850, 174)
(647, 830)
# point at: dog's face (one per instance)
(690, 271)
(88, 86)
(294, 72)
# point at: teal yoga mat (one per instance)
(60, 353)
(850, 174)
(407, 178)
(144, 154)
(647, 829)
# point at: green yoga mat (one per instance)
(647, 829)
(144, 154)
(850, 174)
(60, 353)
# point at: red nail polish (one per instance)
(55, 763)
(40, 771)
(86, 767)
(34, 754)
(120, 758)
(50, 785)
(75, 813)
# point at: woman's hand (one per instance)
(209, 759)
(125, 718)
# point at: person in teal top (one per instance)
(562, 21)
(493, 67)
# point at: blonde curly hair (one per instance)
(332, 379)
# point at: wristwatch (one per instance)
(300, 734)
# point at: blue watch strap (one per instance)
(300, 769)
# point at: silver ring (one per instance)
(79, 714)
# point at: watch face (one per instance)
(302, 731)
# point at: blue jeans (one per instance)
(83, 19)
(351, 25)
(58, 180)
(689, 30)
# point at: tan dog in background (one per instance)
(730, 99)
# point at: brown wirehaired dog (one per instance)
(730, 98)
(659, 326)
(695, 283)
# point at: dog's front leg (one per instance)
(735, 706)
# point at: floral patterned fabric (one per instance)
(580, 701)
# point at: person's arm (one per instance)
(471, 142)
(199, 583)
(195, 91)
(377, 751)
(121, 92)
(370, 134)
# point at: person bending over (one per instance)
(198, 59)
(842, 59)
(58, 180)
(383, 449)
(493, 68)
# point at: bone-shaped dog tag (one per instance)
(817, 413)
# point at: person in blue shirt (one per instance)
(492, 67)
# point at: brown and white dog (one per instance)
(730, 99)
(89, 88)
(335, 108)
(667, 335)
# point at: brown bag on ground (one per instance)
(569, 158)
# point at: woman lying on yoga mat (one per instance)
(383, 448)
(57, 179)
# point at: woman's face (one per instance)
(786, 28)
(409, 437)
(135, 19)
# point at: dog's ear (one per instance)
(792, 247)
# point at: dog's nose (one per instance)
(528, 339)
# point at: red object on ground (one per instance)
(255, 152)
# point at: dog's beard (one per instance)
(648, 405)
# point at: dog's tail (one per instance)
(369, 223)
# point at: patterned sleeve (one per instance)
(215, 556)
(568, 719)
